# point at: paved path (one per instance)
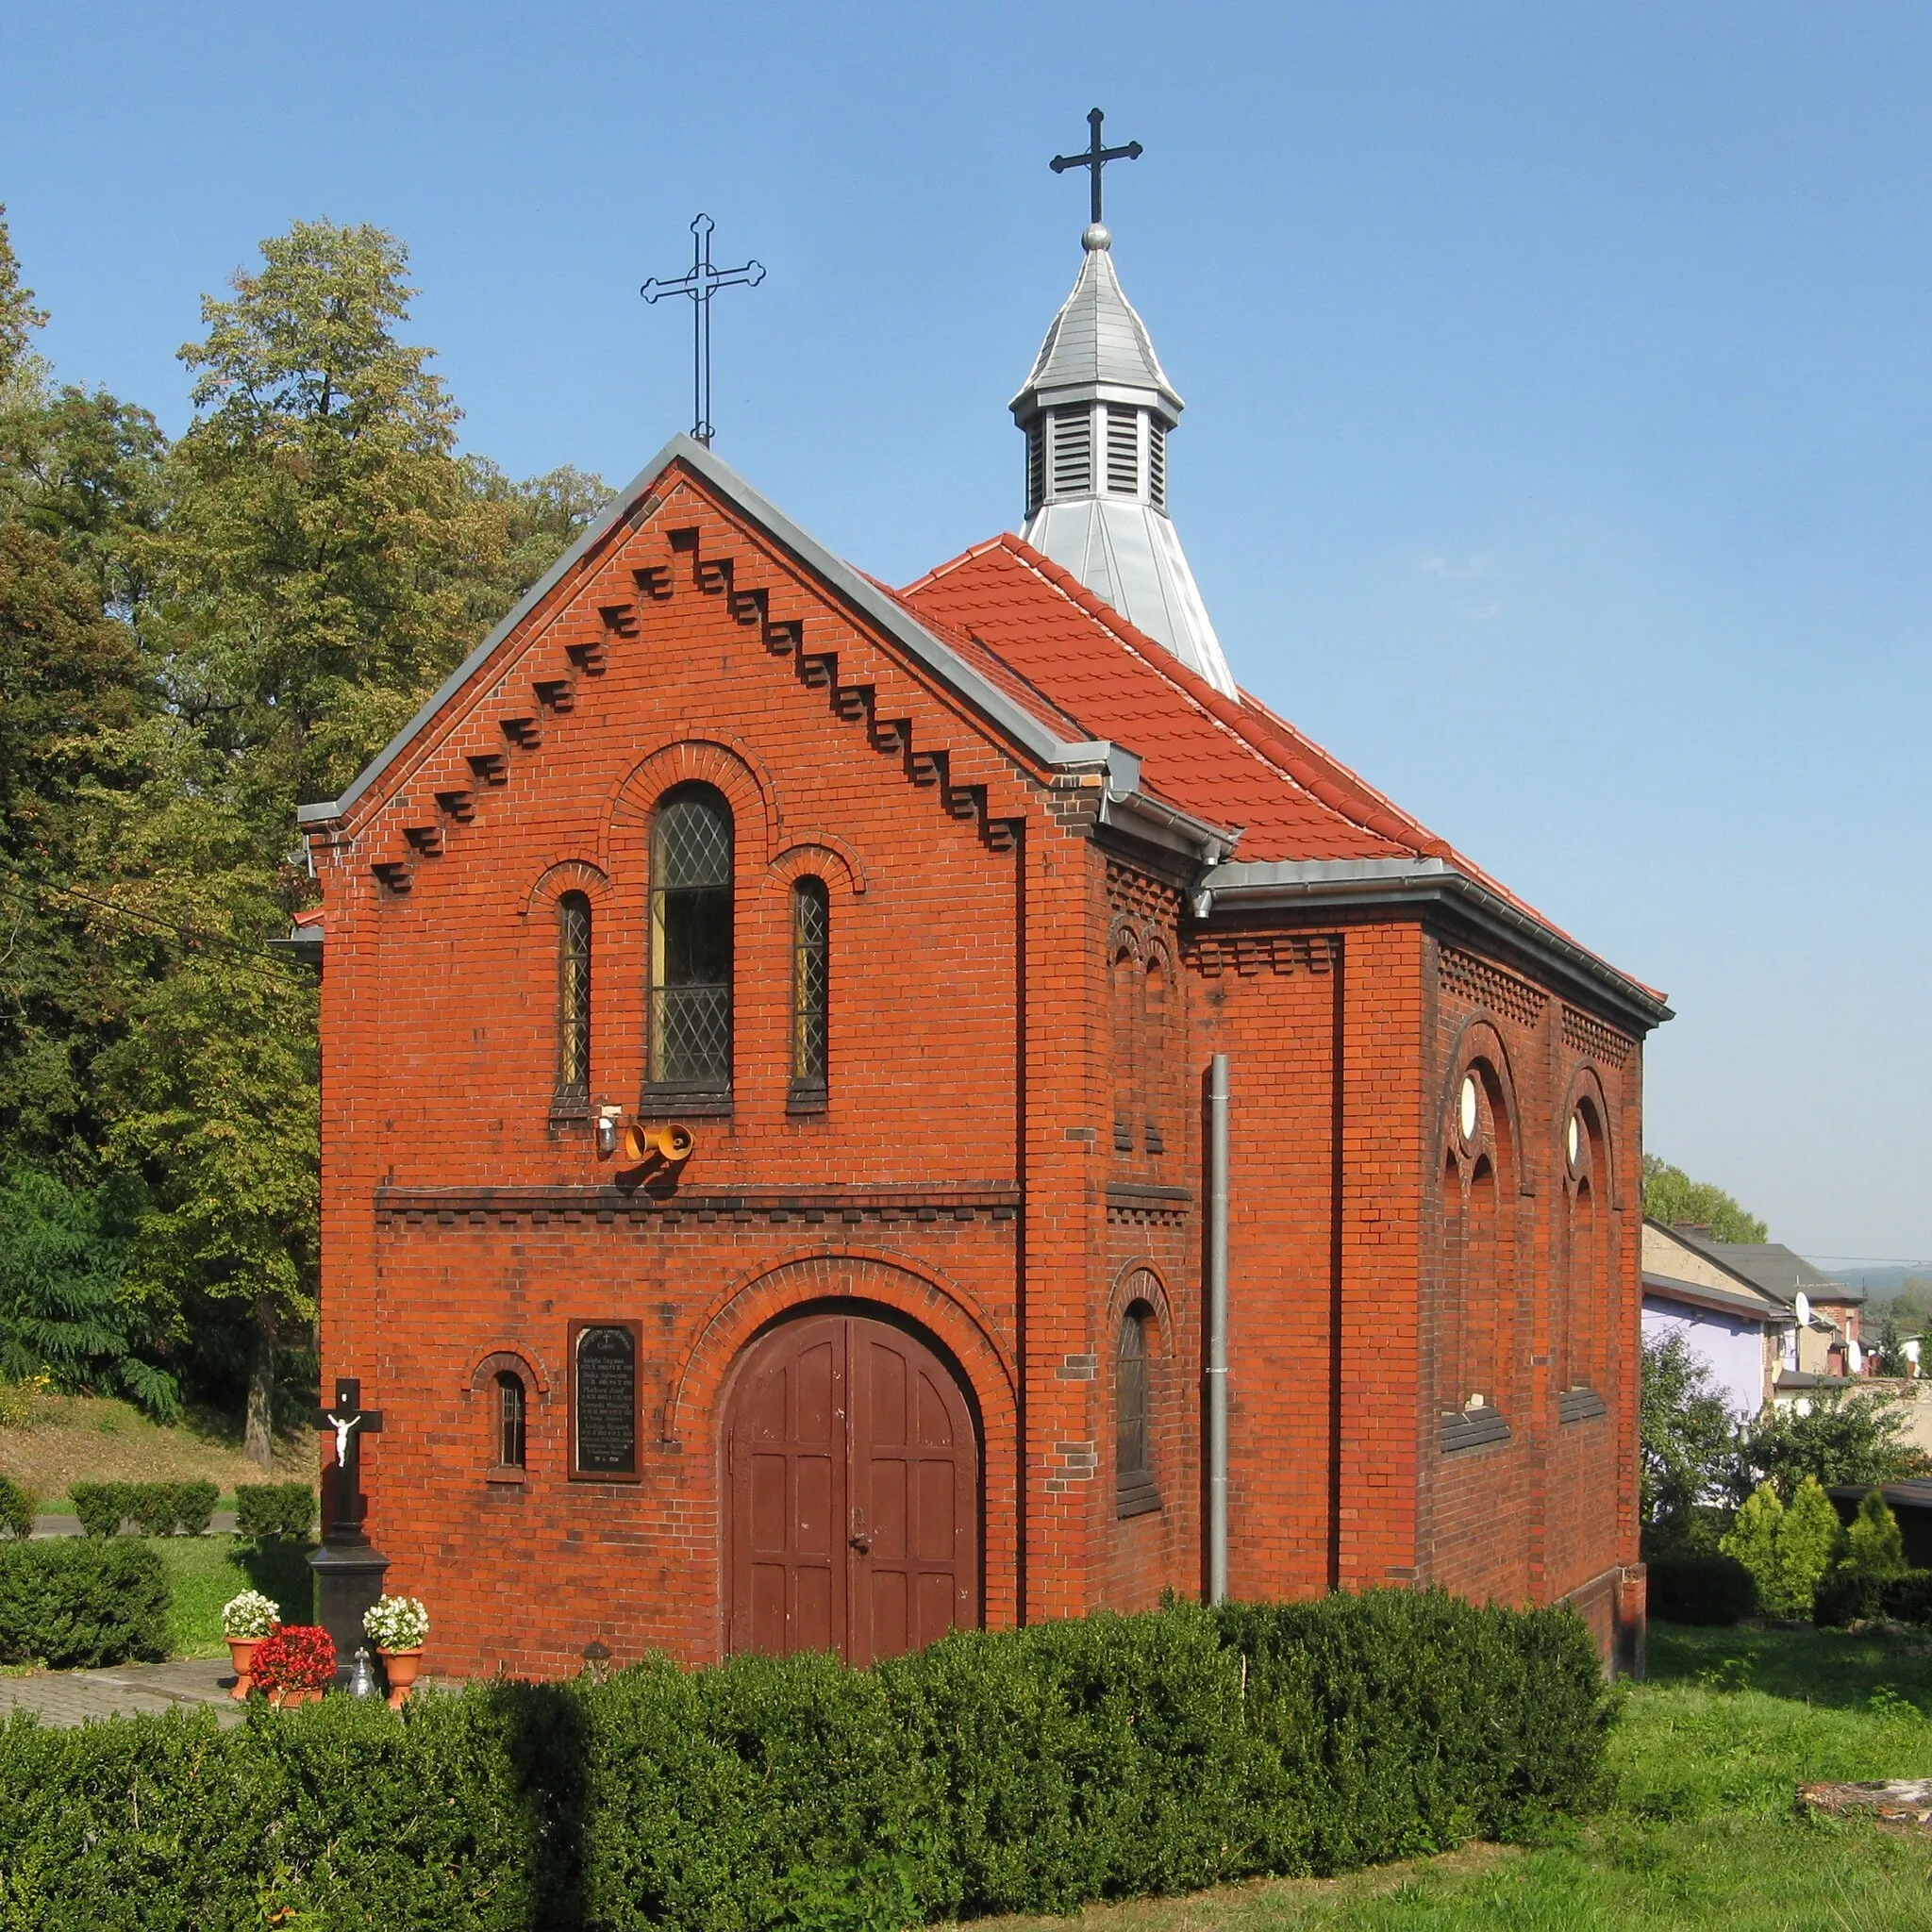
(221, 1524)
(72, 1697)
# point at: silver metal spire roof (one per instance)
(1096, 410)
(1097, 342)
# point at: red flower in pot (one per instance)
(295, 1663)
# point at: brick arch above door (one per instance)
(954, 1317)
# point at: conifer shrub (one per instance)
(1009, 1770)
(100, 1507)
(76, 1604)
(1789, 1550)
(17, 1507)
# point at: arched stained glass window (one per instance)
(1134, 1488)
(811, 946)
(573, 1000)
(690, 942)
(510, 1419)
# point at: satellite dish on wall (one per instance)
(1856, 1356)
(1804, 1309)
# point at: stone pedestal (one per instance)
(348, 1579)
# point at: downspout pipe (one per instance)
(1216, 1338)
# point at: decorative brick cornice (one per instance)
(778, 1207)
(1139, 1203)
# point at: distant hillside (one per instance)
(1885, 1281)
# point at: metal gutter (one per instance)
(1018, 726)
(1322, 882)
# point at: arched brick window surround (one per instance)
(730, 768)
(1139, 1288)
(526, 1366)
(822, 855)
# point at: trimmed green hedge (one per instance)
(73, 1604)
(274, 1511)
(1849, 1595)
(154, 1509)
(1027, 1770)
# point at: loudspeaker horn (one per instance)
(671, 1142)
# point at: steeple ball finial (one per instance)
(1095, 237)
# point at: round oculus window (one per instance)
(1576, 1138)
(1466, 1113)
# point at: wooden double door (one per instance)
(852, 1493)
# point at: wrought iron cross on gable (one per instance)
(1095, 159)
(701, 284)
(349, 1422)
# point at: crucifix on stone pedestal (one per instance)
(348, 1570)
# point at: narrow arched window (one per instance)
(811, 946)
(1133, 1489)
(573, 1001)
(510, 1419)
(690, 942)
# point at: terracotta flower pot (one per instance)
(286, 1697)
(400, 1668)
(241, 1653)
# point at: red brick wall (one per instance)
(990, 1023)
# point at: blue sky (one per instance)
(1558, 448)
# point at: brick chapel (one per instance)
(850, 1112)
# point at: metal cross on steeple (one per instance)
(701, 284)
(1095, 159)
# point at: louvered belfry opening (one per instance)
(1122, 451)
(1072, 452)
(1157, 464)
(1036, 465)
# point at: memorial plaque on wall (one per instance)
(603, 1399)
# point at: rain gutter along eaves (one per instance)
(1320, 882)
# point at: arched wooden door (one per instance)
(851, 1488)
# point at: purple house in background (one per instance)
(1741, 1333)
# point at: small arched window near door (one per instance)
(691, 943)
(509, 1419)
(1134, 1492)
(573, 1003)
(812, 948)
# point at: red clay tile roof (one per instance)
(1071, 659)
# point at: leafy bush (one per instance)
(194, 1507)
(272, 1511)
(152, 1506)
(1010, 1770)
(1874, 1543)
(17, 1506)
(75, 1604)
(1692, 1586)
(100, 1507)
(65, 1308)
(1909, 1598)
(1854, 1437)
(1688, 1438)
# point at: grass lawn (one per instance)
(205, 1571)
(1703, 1829)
